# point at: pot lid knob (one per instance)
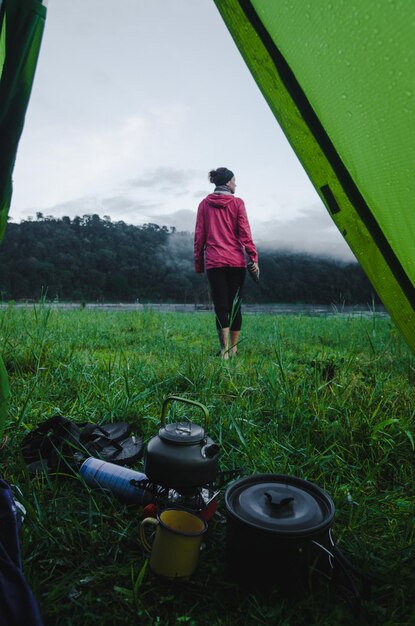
(276, 503)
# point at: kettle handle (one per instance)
(170, 399)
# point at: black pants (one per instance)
(226, 288)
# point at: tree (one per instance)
(89, 258)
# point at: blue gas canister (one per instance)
(115, 479)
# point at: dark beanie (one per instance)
(222, 176)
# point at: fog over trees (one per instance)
(93, 259)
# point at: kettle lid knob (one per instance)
(182, 433)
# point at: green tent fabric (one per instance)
(21, 28)
(340, 79)
(21, 31)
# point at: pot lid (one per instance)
(280, 504)
(182, 433)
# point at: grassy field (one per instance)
(327, 399)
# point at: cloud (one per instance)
(117, 205)
(183, 220)
(71, 162)
(85, 205)
(74, 161)
(199, 194)
(164, 179)
(311, 231)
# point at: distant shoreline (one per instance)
(267, 309)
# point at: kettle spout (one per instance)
(210, 450)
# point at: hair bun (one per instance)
(220, 176)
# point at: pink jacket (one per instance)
(222, 233)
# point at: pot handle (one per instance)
(170, 399)
(343, 572)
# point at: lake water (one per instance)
(269, 309)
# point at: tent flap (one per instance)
(21, 28)
(340, 84)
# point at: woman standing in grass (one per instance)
(222, 235)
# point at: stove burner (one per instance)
(197, 499)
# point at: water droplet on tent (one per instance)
(408, 93)
(344, 96)
(349, 114)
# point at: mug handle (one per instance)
(152, 522)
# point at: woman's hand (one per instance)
(254, 270)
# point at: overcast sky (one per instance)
(134, 102)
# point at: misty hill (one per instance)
(93, 259)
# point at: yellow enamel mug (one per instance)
(176, 544)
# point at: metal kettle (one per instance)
(182, 456)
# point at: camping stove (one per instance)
(198, 499)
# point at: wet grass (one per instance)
(327, 399)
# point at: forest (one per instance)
(93, 259)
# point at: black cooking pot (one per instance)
(278, 531)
